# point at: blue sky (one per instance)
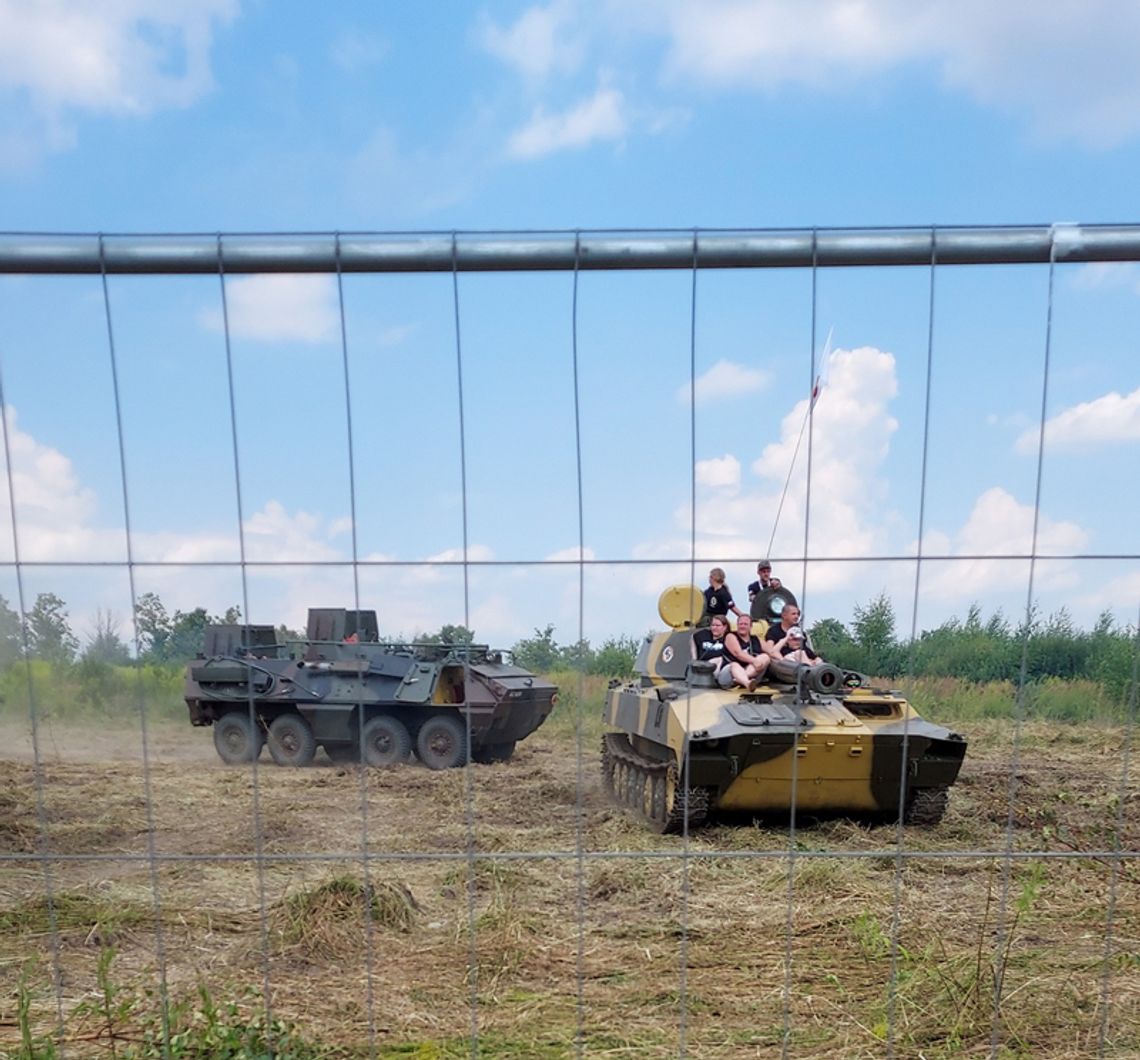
(247, 115)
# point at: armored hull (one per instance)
(814, 739)
(360, 699)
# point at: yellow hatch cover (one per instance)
(680, 606)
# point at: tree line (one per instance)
(975, 648)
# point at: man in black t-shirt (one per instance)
(767, 597)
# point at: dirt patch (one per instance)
(397, 907)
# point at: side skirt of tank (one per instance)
(932, 765)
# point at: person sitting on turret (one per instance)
(747, 658)
(708, 644)
(787, 640)
(718, 596)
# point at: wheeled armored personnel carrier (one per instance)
(814, 738)
(359, 699)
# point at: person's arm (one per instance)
(775, 642)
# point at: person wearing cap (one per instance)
(767, 596)
(764, 576)
(787, 640)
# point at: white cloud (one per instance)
(59, 57)
(279, 307)
(277, 535)
(724, 380)
(999, 524)
(572, 553)
(475, 554)
(851, 432)
(1108, 420)
(542, 41)
(719, 473)
(1067, 68)
(601, 117)
(1110, 275)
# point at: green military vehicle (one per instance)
(360, 699)
(814, 738)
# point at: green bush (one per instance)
(90, 690)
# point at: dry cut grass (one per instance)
(514, 902)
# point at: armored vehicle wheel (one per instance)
(926, 806)
(291, 741)
(237, 739)
(386, 742)
(493, 752)
(442, 742)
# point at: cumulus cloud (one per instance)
(543, 40)
(279, 307)
(602, 117)
(62, 57)
(53, 510)
(725, 379)
(574, 553)
(851, 431)
(1108, 420)
(719, 473)
(1066, 68)
(1000, 525)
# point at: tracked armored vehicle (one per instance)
(359, 699)
(816, 739)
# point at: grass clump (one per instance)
(98, 920)
(327, 920)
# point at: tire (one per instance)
(442, 742)
(493, 752)
(386, 742)
(291, 741)
(237, 739)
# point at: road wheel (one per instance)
(291, 741)
(442, 742)
(237, 739)
(386, 742)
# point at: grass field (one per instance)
(513, 902)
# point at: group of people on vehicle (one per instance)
(742, 656)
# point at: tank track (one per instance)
(644, 786)
(926, 806)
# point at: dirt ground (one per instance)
(513, 902)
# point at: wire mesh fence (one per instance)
(527, 436)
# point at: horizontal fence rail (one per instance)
(179, 253)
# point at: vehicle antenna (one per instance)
(795, 452)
